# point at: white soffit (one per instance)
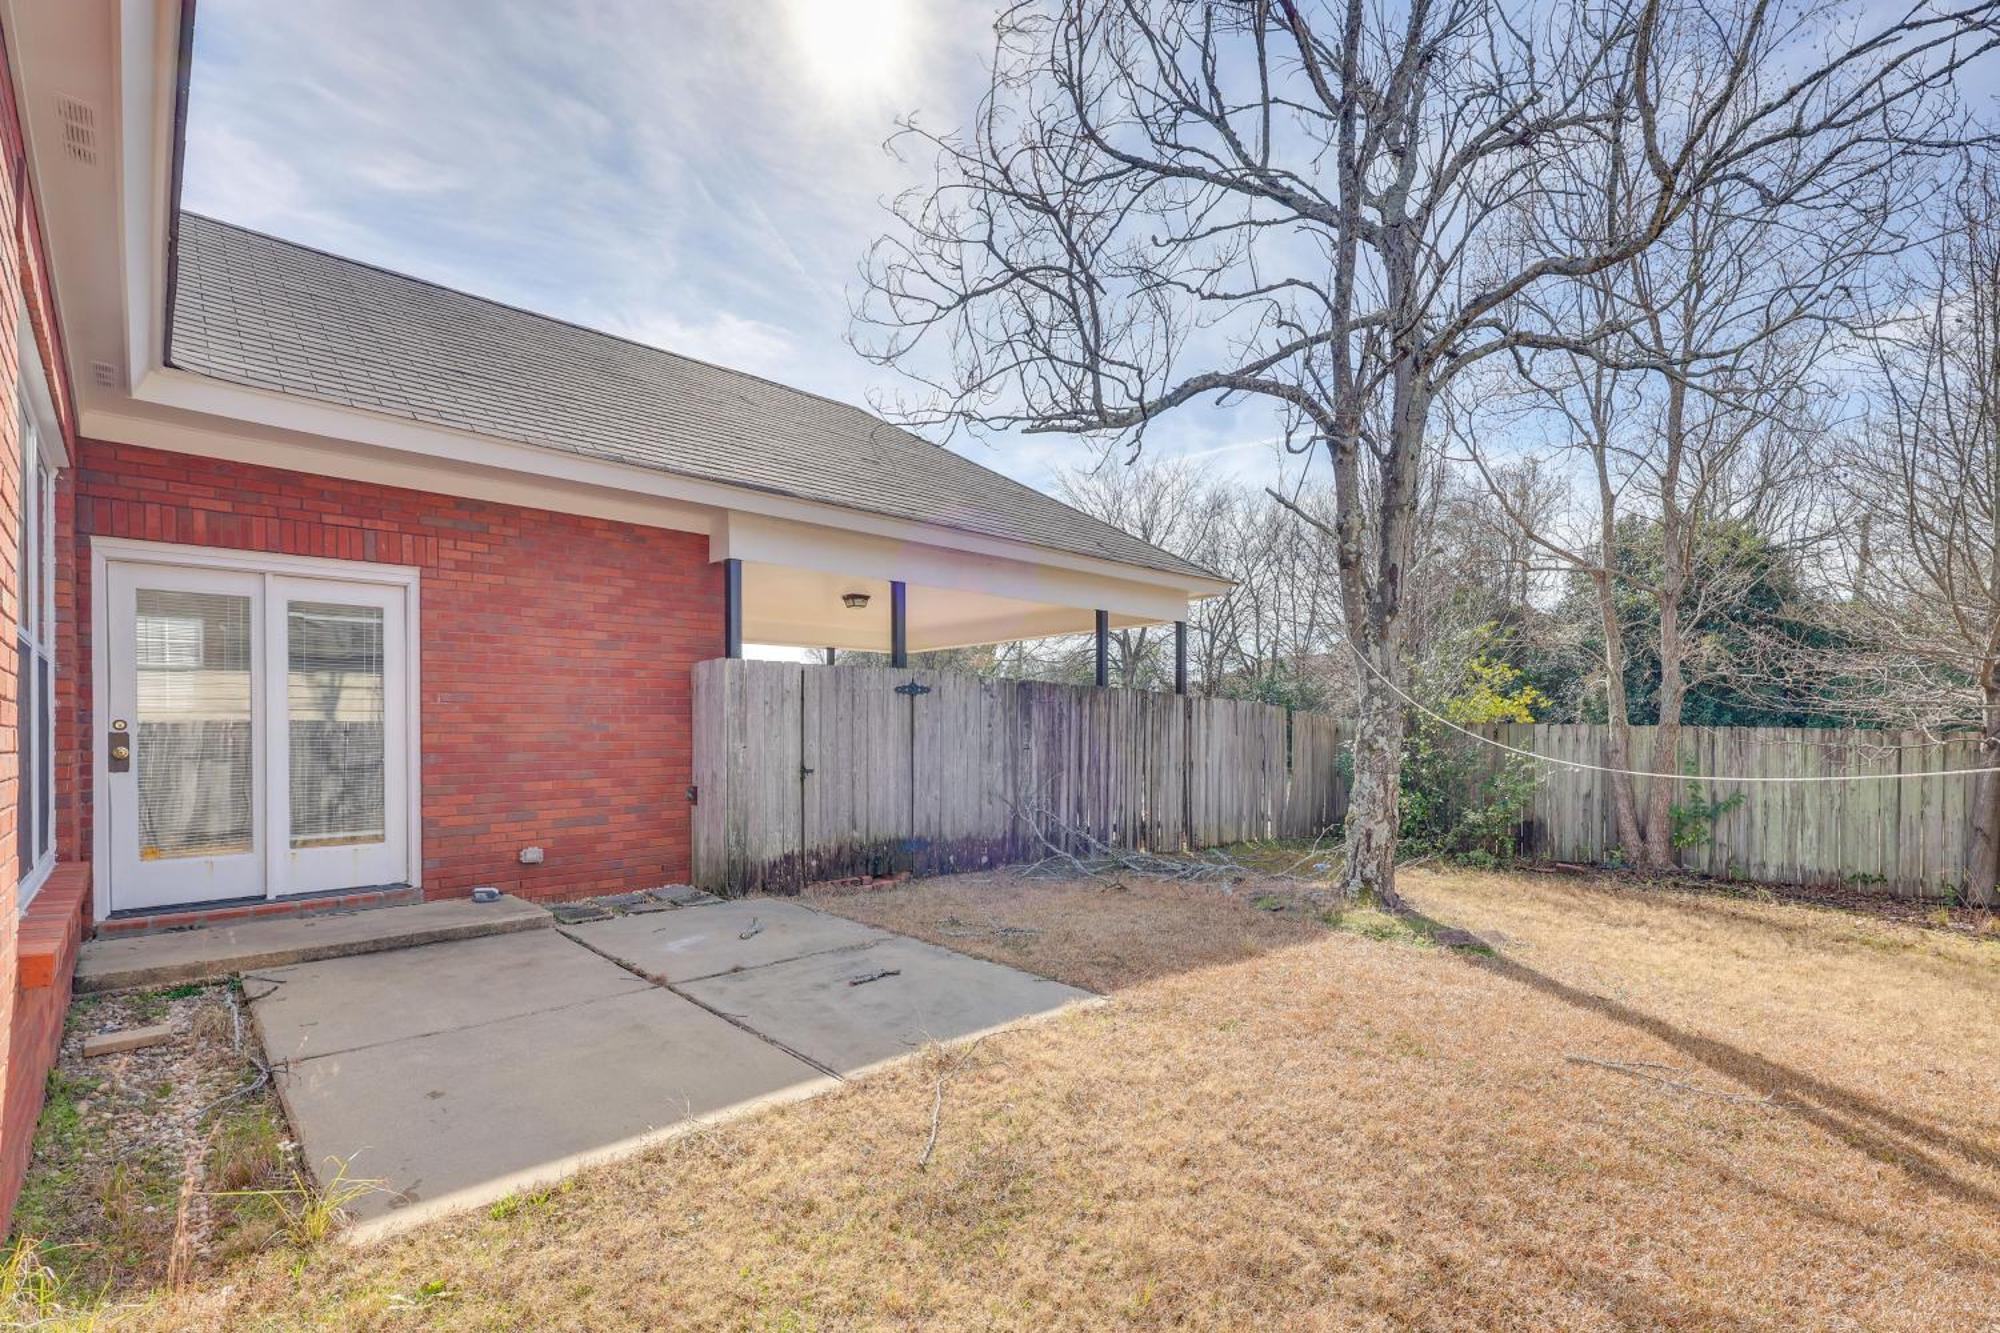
(803, 607)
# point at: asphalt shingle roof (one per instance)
(256, 310)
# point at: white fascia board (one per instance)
(148, 54)
(180, 391)
(382, 467)
(839, 550)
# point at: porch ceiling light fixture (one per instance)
(854, 601)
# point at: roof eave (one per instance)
(189, 396)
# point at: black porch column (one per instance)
(732, 608)
(899, 625)
(1103, 647)
(1180, 657)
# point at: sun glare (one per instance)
(851, 47)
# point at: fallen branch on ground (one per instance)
(263, 1078)
(946, 1069)
(1004, 932)
(180, 1253)
(1646, 1070)
(1073, 852)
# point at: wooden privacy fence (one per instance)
(1911, 835)
(805, 773)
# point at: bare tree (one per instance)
(1270, 634)
(1165, 503)
(1483, 587)
(1318, 205)
(1698, 422)
(1922, 482)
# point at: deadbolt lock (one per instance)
(118, 747)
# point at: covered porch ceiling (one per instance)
(795, 579)
(804, 608)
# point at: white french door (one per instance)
(255, 733)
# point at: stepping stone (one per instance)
(576, 913)
(127, 1039)
(683, 895)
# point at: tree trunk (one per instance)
(1617, 714)
(1983, 866)
(1677, 531)
(1660, 851)
(1373, 812)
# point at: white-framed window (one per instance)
(35, 625)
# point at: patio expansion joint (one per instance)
(734, 1020)
(293, 1061)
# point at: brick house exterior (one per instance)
(37, 947)
(563, 724)
(324, 542)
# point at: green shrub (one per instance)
(1693, 817)
(1454, 804)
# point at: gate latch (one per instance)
(911, 688)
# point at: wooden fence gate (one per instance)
(805, 773)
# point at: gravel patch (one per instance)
(138, 1155)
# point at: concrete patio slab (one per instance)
(214, 952)
(695, 942)
(316, 1009)
(456, 1073)
(809, 1005)
(458, 1118)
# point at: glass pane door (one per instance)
(193, 738)
(181, 745)
(334, 696)
(256, 741)
(340, 726)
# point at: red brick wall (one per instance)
(30, 1018)
(556, 656)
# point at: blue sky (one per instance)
(704, 177)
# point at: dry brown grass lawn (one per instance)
(1341, 1131)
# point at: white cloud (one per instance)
(699, 176)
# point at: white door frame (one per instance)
(105, 551)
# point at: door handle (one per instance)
(119, 747)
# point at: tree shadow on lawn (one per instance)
(1860, 1121)
(1104, 935)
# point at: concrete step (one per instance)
(214, 952)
